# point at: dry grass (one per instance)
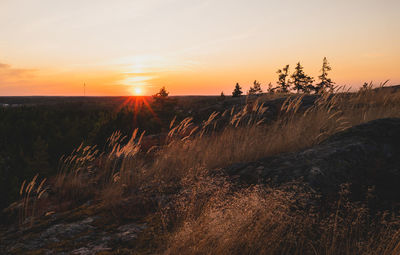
(30, 195)
(245, 138)
(204, 213)
(280, 220)
(224, 138)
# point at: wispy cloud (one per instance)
(9, 74)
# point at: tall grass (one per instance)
(202, 212)
(279, 220)
(31, 193)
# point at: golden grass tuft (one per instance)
(30, 195)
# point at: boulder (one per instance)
(366, 156)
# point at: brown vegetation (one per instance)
(198, 210)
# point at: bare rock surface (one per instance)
(80, 231)
(367, 155)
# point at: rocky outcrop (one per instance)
(83, 231)
(366, 156)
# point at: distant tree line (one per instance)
(298, 81)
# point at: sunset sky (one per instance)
(51, 47)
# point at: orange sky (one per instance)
(204, 47)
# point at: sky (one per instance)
(192, 47)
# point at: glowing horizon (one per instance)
(190, 47)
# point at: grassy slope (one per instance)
(194, 209)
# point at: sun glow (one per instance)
(137, 91)
(136, 85)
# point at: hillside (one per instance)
(303, 174)
(347, 157)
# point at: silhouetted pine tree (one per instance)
(283, 73)
(301, 81)
(162, 93)
(161, 96)
(237, 92)
(325, 84)
(271, 89)
(163, 105)
(255, 89)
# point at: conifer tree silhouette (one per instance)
(301, 81)
(255, 89)
(237, 92)
(325, 84)
(283, 84)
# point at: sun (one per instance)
(137, 91)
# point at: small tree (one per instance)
(162, 93)
(366, 87)
(237, 92)
(325, 84)
(283, 73)
(301, 81)
(255, 89)
(163, 105)
(161, 97)
(222, 96)
(271, 89)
